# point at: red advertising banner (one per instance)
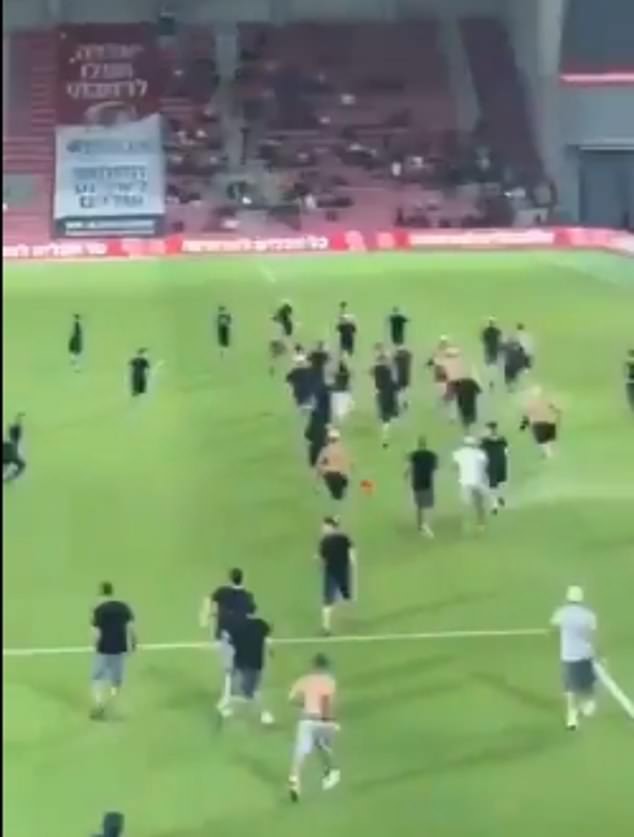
(107, 74)
(346, 241)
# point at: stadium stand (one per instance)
(28, 138)
(315, 126)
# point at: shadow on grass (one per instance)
(519, 694)
(517, 744)
(425, 608)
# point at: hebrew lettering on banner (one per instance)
(109, 161)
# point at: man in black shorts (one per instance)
(232, 603)
(466, 392)
(13, 462)
(316, 434)
(250, 643)
(112, 825)
(284, 318)
(347, 330)
(397, 322)
(403, 375)
(338, 560)
(115, 638)
(224, 323)
(76, 342)
(140, 369)
(319, 359)
(386, 393)
(629, 378)
(491, 337)
(300, 380)
(514, 362)
(496, 448)
(422, 464)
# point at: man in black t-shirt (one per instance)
(422, 464)
(112, 825)
(76, 342)
(386, 392)
(224, 326)
(629, 378)
(338, 560)
(318, 360)
(284, 318)
(232, 603)
(140, 368)
(496, 448)
(403, 375)
(300, 380)
(114, 636)
(316, 434)
(466, 392)
(250, 642)
(397, 322)
(491, 337)
(13, 462)
(347, 330)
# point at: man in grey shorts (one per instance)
(114, 636)
(232, 603)
(577, 626)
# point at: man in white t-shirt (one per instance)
(577, 625)
(471, 462)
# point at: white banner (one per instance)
(109, 175)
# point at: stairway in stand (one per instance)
(28, 142)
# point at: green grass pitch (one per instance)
(444, 737)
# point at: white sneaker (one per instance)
(331, 780)
(267, 718)
(225, 711)
(428, 532)
(589, 708)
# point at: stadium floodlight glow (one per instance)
(601, 78)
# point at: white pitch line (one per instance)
(615, 690)
(305, 640)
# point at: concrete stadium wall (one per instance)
(23, 14)
(592, 117)
(597, 115)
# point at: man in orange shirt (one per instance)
(315, 692)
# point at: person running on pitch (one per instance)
(543, 417)
(403, 375)
(315, 692)
(76, 342)
(13, 460)
(397, 323)
(338, 559)
(629, 379)
(577, 626)
(386, 393)
(300, 380)
(334, 466)
(495, 447)
(347, 330)
(251, 648)
(422, 464)
(471, 463)
(224, 327)
(491, 337)
(316, 435)
(341, 395)
(467, 390)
